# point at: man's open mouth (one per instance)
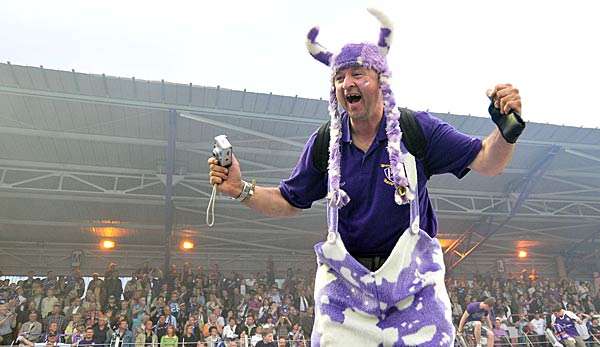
(352, 98)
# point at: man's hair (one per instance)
(212, 328)
(557, 308)
(490, 301)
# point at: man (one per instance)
(564, 322)
(123, 337)
(213, 339)
(96, 286)
(249, 328)
(74, 308)
(539, 328)
(595, 331)
(474, 314)
(102, 331)
(302, 301)
(8, 321)
(112, 284)
(169, 318)
(377, 193)
(30, 330)
(229, 331)
(267, 340)
(147, 338)
(257, 337)
(48, 302)
(88, 339)
(161, 327)
(57, 317)
(51, 340)
(50, 281)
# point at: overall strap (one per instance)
(410, 168)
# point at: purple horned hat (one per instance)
(374, 57)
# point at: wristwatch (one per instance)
(247, 191)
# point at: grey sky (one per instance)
(444, 56)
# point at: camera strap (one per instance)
(210, 210)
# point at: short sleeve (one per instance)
(306, 184)
(448, 150)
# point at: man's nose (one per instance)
(348, 81)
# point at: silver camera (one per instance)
(223, 151)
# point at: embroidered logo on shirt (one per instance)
(387, 170)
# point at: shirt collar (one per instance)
(347, 136)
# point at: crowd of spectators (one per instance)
(206, 307)
(526, 304)
(188, 306)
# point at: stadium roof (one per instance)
(82, 157)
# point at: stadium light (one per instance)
(522, 254)
(186, 245)
(107, 244)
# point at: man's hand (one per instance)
(228, 180)
(506, 98)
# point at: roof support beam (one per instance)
(524, 187)
(164, 106)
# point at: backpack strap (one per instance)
(320, 150)
(412, 135)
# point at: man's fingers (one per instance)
(212, 160)
(506, 91)
(221, 175)
(217, 168)
(215, 180)
(514, 105)
(497, 88)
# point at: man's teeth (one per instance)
(352, 98)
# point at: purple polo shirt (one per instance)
(475, 312)
(371, 223)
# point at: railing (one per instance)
(225, 343)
